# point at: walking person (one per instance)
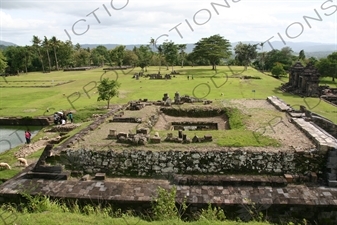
(28, 135)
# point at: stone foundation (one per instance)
(150, 163)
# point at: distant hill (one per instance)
(5, 43)
(295, 46)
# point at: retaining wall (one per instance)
(150, 163)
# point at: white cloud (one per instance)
(255, 20)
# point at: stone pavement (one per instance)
(322, 139)
(143, 191)
(278, 103)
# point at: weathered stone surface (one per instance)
(199, 162)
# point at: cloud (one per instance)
(140, 20)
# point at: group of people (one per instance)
(61, 118)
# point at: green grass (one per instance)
(206, 84)
(67, 218)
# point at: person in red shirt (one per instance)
(27, 136)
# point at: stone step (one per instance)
(230, 180)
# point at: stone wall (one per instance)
(18, 121)
(326, 125)
(151, 163)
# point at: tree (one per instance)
(14, 56)
(107, 89)
(283, 56)
(28, 57)
(244, 53)
(327, 67)
(130, 58)
(160, 54)
(170, 51)
(66, 50)
(213, 48)
(152, 42)
(55, 44)
(117, 54)
(45, 44)
(36, 44)
(3, 63)
(301, 55)
(144, 54)
(182, 54)
(278, 70)
(81, 58)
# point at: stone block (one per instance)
(155, 140)
(208, 138)
(143, 131)
(100, 176)
(76, 173)
(122, 134)
(85, 177)
(313, 177)
(332, 183)
(289, 178)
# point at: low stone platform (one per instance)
(322, 139)
(278, 103)
(144, 190)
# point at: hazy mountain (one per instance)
(295, 46)
(5, 43)
(314, 49)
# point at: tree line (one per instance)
(47, 55)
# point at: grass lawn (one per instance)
(81, 93)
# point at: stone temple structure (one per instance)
(303, 80)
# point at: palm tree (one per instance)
(152, 42)
(182, 48)
(45, 44)
(27, 54)
(160, 53)
(36, 44)
(263, 55)
(55, 43)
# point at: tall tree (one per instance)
(36, 44)
(327, 67)
(301, 55)
(152, 42)
(46, 46)
(144, 54)
(244, 53)
(283, 56)
(213, 48)
(14, 56)
(3, 63)
(170, 51)
(160, 54)
(130, 58)
(117, 54)
(182, 54)
(55, 44)
(27, 56)
(107, 89)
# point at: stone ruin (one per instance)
(159, 77)
(329, 94)
(118, 68)
(141, 137)
(303, 80)
(182, 138)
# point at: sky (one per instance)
(181, 21)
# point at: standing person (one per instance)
(28, 135)
(56, 118)
(70, 115)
